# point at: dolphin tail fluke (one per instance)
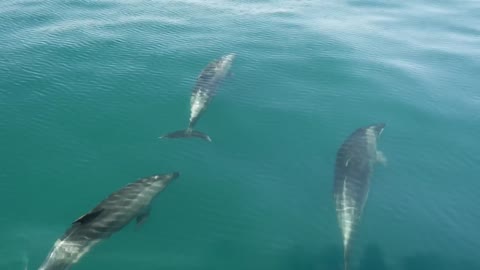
(186, 133)
(345, 260)
(345, 257)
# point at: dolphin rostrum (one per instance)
(203, 92)
(109, 216)
(353, 168)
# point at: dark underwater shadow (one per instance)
(426, 261)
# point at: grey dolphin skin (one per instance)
(108, 217)
(353, 168)
(203, 92)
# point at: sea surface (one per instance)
(87, 87)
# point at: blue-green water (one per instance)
(86, 88)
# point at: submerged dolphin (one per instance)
(203, 92)
(353, 168)
(108, 217)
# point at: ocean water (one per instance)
(87, 87)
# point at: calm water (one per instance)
(86, 88)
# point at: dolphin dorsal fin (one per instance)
(142, 217)
(88, 217)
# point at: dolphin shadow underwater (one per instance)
(203, 92)
(353, 169)
(109, 216)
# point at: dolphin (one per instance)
(353, 168)
(109, 216)
(203, 92)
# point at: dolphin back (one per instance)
(108, 217)
(187, 133)
(353, 169)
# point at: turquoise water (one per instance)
(87, 87)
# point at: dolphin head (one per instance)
(226, 62)
(229, 57)
(160, 181)
(166, 177)
(379, 128)
(372, 133)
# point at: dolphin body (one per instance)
(108, 217)
(204, 90)
(353, 168)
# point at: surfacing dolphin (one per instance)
(203, 92)
(353, 168)
(109, 216)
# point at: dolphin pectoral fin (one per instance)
(381, 158)
(88, 217)
(186, 133)
(141, 218)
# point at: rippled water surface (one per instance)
(87, 87)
